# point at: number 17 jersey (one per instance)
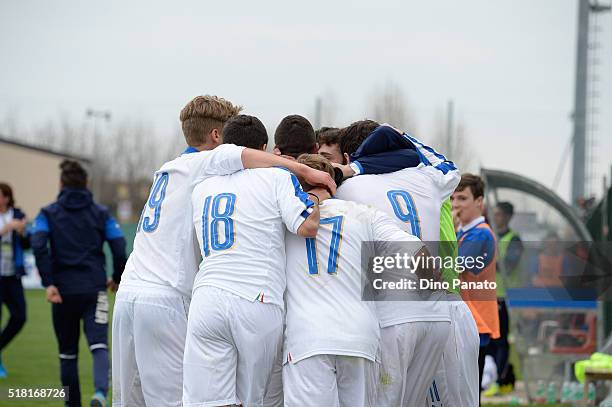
(325, 311)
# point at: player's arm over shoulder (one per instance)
(391, 240)
(223, 160)
(300, 214)
(386, 228)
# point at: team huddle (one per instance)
(245, 283)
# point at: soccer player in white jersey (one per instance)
(235, 325)
(332, 336)
(456, 381)
(413, 333)
(150, 315)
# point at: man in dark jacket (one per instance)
(13, 241)
(67, 240)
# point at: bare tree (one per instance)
(44, 135)
(455, 146)
(64, 136)
(173, 145)
(388, 104)
(123, 161)
(129, 158)
(9, 127)
(329, 108)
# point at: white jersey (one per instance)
(165, 252)
(325, 310)
(413, 197)
(7, 265)
(239, 224)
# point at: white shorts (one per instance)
(274, 392)
(456, 381)
(232, 345)
(411, 353)
(330, 381)
(148, 338)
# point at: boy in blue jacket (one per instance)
(68, 239)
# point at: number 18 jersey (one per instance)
(239, 224)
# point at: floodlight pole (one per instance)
(580, 104)
(585, 7)
(95, 115)
(318, 113)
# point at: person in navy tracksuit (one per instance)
(13, 241)
(67, 240)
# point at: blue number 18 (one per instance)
(218, 217)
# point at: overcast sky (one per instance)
(508, 65)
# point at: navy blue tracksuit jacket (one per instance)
(67, 241)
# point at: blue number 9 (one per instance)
(158, 193)
(410, 214)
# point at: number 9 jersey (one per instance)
(413, 198)
(165, 252)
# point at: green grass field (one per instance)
(32, 358)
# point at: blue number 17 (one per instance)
(311, 248)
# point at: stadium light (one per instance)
(96, 115)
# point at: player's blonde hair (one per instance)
(318, 162)
(203, 114)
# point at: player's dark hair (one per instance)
(7, 191)
(328, 135)
(294, 136)
(246, 131)
(506, 207)
(352, 136)
(474, 183)
(73, 174)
